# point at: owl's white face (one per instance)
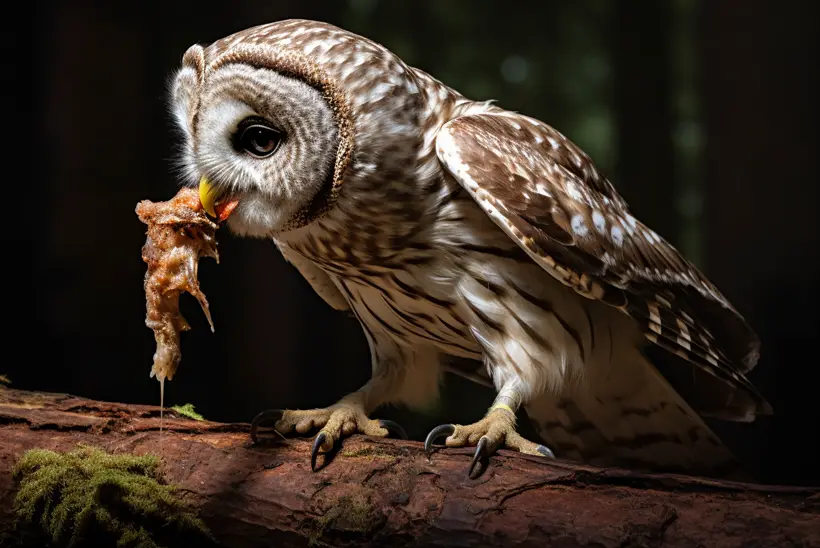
(268, 140)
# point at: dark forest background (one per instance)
(703, 113)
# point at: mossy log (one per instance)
(376, 492)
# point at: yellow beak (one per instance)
(208, 195)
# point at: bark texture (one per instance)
(376, 492)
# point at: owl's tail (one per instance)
(629, 416)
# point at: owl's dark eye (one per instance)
(256, 137)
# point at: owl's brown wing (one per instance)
(546, 194)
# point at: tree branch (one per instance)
(386, 492)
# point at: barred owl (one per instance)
(452, 228)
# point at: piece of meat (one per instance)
(179, 233)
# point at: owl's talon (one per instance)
(333, 423)
(545, 451)
(440, 431)
(393, 429)
(480, 456)
(268, 415)
(320, 440)
(496, 429)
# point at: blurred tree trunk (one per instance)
(644, 170)
(88, 237)
(23, 82)
(761, 167)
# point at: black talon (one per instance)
(440, 431)
(393, 428)
(266, 415)
(317, 444)
(480, 456)
(546, 451)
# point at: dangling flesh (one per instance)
(179, 234)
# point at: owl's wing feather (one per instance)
(547, 195)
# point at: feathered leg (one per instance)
(523, 326)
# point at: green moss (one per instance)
(88, 493)
(187, 410)
(350, 513)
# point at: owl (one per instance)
(465, 239)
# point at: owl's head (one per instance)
(267, 119)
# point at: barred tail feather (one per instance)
(629, 416)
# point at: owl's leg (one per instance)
(495, 430)
(400, 375)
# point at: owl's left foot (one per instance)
(495, 430)
(339, 420)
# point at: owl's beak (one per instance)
(208, 195)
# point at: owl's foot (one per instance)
(495, 430)
(335, 422)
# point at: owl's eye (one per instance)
(257, 138)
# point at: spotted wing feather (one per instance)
(545, 193)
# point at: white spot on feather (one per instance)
(360, 58)
(663, 300)
(628, 227)
(579, 226)
(542, 189)
(599, 221)
(685, 338)
(617, 235)
(380, 90)
(654, 315)
(574, 193)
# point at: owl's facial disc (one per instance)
(264, 144)
(254, 136)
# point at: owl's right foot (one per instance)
(495, 430)
(342, 419)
